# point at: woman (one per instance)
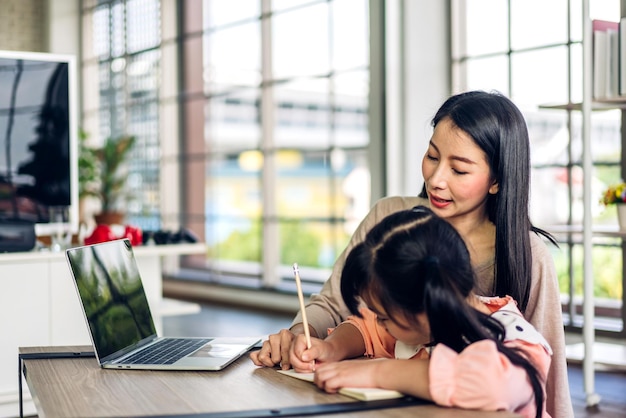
(477, 176)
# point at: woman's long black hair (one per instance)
(416, 262)
(499, 129)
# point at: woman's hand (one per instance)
(275, 350)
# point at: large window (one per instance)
(270, 147)
(536, 59)
(283, 138)
(120, 93)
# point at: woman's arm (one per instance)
(327, 309)
(545, 314)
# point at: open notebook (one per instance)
(362, 394)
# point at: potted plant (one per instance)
(87, 168)
(101, 176)
(615, 194)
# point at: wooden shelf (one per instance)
(609, 356)
(597, 230)
(140, 250)
(597, 104)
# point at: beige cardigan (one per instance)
(326, 309)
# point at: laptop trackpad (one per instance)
(220, 350)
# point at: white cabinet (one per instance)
(24, 315)
(39, 306)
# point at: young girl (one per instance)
(413, 272)
(477, 176)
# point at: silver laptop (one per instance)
(120, 322)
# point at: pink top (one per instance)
(480, 377)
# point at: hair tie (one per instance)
(431, 260)
(419, 209)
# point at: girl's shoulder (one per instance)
(516, 327)
(495, 303)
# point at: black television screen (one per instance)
(38, 129)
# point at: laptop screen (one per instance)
(112, 295)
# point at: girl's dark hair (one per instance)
(416, 262)
(499, 129)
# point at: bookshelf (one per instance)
(596, 105)
(588, 233)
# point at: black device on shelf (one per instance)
(17, 235)
(162, 237)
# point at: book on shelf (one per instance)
(606, 59)
(362, 394)
(622, 56)
(612, 87)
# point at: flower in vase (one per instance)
(614, 194)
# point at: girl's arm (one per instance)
(407, 376)
(344, 342)
(356, 337)
(481, 377)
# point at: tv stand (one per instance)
(39, 304)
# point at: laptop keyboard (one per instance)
(166, 351)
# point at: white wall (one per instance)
(418, 81)
(63, 27)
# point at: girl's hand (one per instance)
(305, 360)
(331, 377)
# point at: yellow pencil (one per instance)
(305, 323)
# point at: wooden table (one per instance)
(78, 387)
